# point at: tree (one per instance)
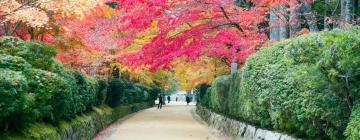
(34, 15)
(202, 71)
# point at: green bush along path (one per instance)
(42, 99)
(307, 86)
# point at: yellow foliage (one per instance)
(15, 11)
(142, 75)
(35, 13)
(203, 70)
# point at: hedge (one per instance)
(81, 127)
(14, 99)
(36, 88)
(306, 86)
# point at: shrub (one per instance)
(69, 104)
(13, 63)
(296, 85)
(219, 93)
(353, 129)
(202, 91)
(34, 87)
(116, 92)
(304, 86)
(86, 92)
(11, 45)
(39, 55)
(52, 94)
(14, 100)
(154, 92)
(102, 91)
(141, 92)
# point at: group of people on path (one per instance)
(161, 100)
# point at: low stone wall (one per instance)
(237, 130)
(82, 127)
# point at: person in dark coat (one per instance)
(160, 102)
(187, 100)
(168, 98)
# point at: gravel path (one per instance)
(174, 122)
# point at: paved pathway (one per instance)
(174, 122)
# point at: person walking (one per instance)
(187, 100)
(168, 98)
(176, 99)
(160, 102)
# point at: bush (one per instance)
(13, 63)
(86, 92)
(353, 129)
(219, 93)
(39, 55)
(116, 92)
(125, 92)
(154, 92)
(11, 45)
(102, 91)
(14, 100)
(35, 88)
(203, 94)
(42, 86)
(69, 104)
(305, 86)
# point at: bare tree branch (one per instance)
(237, 25)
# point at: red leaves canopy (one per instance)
(187, 28)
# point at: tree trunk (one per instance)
(284, 23)
(347, 11)
(274, 27)
(294, 22)
(310, 17)
(279, 27)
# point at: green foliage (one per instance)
(13, 63)
(322, 6)
(35, 88)
(305, 86)
(124, 92)
(44, 86)
(353, 129)
(102, 91)
(87, 91)
(14, 100)
(39, 55)
(200, 91)
(219, 93)
(11, 45)
(40, 131)
(116, 92)
(80, 127)
(154, 92)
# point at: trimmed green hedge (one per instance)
(14, 100)
(36, 88)
(81, 127)
(306, 86)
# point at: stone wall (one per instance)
(237, 130)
